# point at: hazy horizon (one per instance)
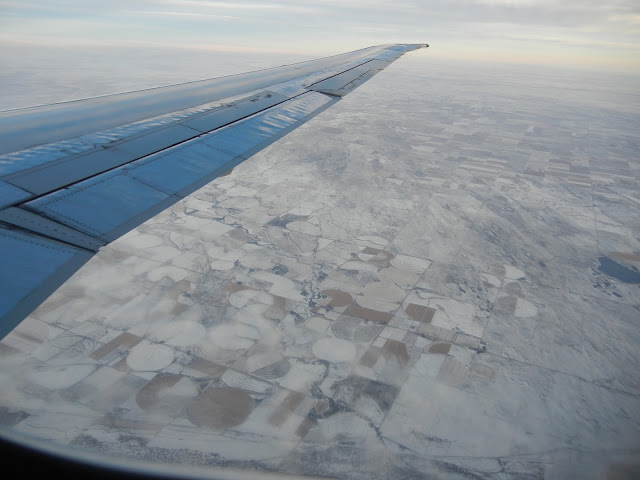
(38, 75)
(537, 32)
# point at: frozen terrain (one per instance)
(416, 283)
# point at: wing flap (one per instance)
(102, 206)
(10, 194)
(36, 223)
(187, 166)
(32, 268)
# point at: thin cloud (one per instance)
(583, 42)
(334, 26)
(186, 14)
(224, 5)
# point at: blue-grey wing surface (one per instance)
(75, 176)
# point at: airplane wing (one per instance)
(75, 176)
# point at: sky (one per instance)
(576, 33)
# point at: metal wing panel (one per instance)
(338, 81)
(33, 157)
(243, 108)
(35, 223)
(99, 206)
(60, 174)
(255, 133)
(112, 203)
(32, 268)
(179, 168)
(341, 84)
(249, 134)
(305, 105)
(10, 194)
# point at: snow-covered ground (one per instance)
(405, 286)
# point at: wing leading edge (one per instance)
(77, 175)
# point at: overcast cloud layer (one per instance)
(574, 32)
